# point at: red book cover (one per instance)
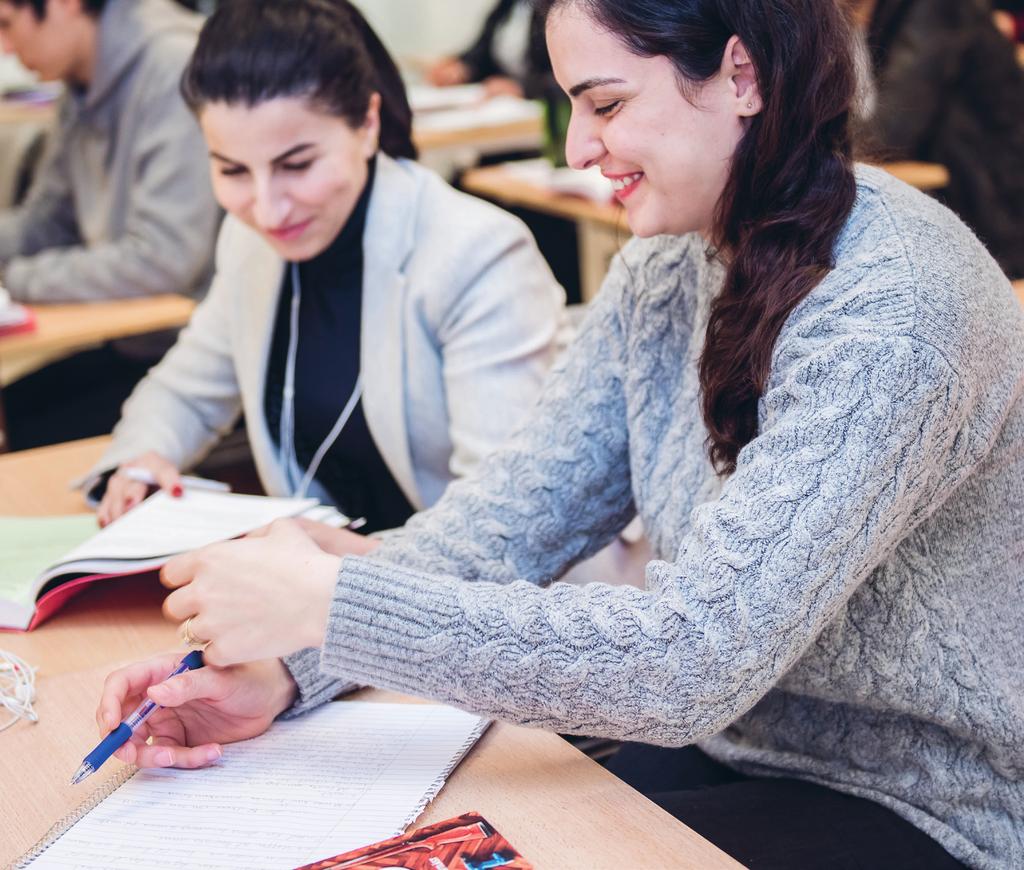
(21, 319)
(54, 599)
(467, 842)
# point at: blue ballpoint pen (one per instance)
(121, 734)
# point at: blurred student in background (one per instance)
(121, 205)
(380, 331)
(509, 56)
(949, 90)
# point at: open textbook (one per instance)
(345, 775)
(44, 561)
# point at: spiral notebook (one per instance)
(348, 774)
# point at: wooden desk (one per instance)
(62, 329)
(602, 227)
(14, 112)
(485, 137)
(552, 802)
(499, 183)
(923, 176)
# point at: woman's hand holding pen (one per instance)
(124, 492)
(201, 709)
(258, 597)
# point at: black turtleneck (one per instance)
(326, 368)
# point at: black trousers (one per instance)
(776, 823)
(77, 397)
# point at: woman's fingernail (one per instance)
(212, 754)
(177, 492)
(164, 758)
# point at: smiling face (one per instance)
(288, 170)
(59, 46)
(668, 157)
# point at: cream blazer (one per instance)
(459, 320)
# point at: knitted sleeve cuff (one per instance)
(315, 688)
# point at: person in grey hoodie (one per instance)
(807, 378)
(121, 205)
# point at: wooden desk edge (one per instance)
(67, 326)
(498, 183)
(428, 139)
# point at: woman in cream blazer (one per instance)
(458, 326)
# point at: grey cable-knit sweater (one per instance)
(846, 608)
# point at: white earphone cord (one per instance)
(17, 689)
(287, 426)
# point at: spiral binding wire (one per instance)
(63, 825)
(442, 777)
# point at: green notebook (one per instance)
(30, 545)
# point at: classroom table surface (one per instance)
(64, 328)
(503, 184)
(923, 176)
(18, 112)
(14, 112)
(558, 807)
(512, 134)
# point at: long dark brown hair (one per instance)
(251, 51)
(791, 186)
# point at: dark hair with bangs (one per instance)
(251, 51)
(791, 185)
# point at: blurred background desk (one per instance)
(452, 137)
(602, 227)
(552, 802)
(15, 112)
(64, 329)
(923, 176)
(504, 136)
(61, 330)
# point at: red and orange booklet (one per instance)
(467, 842)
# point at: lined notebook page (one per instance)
(344, 776)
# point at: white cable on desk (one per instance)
(17, 689)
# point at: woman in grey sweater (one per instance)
(808, 380)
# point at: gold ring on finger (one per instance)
(189, 638)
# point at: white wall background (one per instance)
(425, 28)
